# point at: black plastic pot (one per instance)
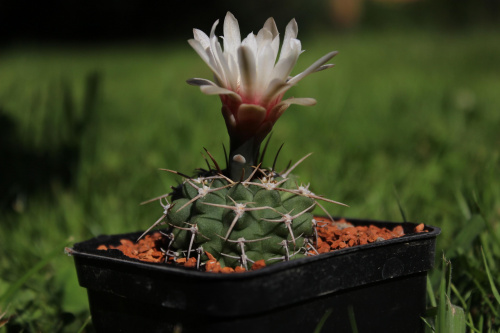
(380, 286)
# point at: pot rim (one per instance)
(432, 232)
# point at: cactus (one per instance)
(268, 217)
(245, 213)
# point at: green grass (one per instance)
(411, 112)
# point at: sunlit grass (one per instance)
(411, 112)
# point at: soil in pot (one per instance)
(331, 236)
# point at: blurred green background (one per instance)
(93, 101)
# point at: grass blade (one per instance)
(7, 296)
(323, 320)
(352, 319)
(430, 293)
(441, 316)
(87, 321)
(398, 200)
(450, 318)
(484, 294)
(465, 238)
(455, 319)
(494, 289)
(3, 320)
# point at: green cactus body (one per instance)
(240, 222)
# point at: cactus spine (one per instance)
(266, 216)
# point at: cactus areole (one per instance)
(245, 213)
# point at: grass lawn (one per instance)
(413, 115)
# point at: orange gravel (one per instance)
(339, 235)
(331, 237)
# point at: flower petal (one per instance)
(219, 59)
(265, 65)
(232, 37)
(278, 110)
(322, 68)
(201, 37)
(212, 31)
(207, 57)
(271, 26)
(291, 32)
(233, 68)
(264, 38)
(314, 67)
(198, 47)
(251, 113)
(300, 101)
(275, 88)
(230, 77)
(200, 82)
(251, 43)
(285, 64)
(246, 63)
(249, 117)
(215, 90)
(229, 117)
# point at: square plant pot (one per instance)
(378, 287)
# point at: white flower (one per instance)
(249, 77)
